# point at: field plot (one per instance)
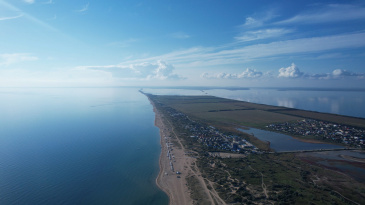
(220, 110)
(340, 119)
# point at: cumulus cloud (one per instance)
(247, 74)
(339, 73)
(336, 74)
(12, 58)
(294, 72)
(159, 70)
(290, 72)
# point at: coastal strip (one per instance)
(194, 169)
(172, 176)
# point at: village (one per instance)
(322, 130)
(210, 137)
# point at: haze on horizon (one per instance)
(182, 43)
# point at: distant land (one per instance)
(223, 165)
(248, 88)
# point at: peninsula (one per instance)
(205, 159)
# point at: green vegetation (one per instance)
(288, 180)
(225, 111)
(285, 178)
(196, 193)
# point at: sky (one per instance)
(262, 43)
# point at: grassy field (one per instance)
(220, 110)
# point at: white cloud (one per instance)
(84, 8)
(328, 13)
(250, 73)
(206, 56)
(10, 17)
(340, 73)
(247, 74)
(259, 20)
(29, 1)
(290, 72)
(159, 70)
(294, 72)
(29, 17)
(262, 34)
(252, 22)
(8, 59)
(336, 74)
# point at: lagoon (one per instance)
(285, 143)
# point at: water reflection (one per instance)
(283, 143)
(285, 103)
(337, 102)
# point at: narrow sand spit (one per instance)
(173, 184)
(176, 165)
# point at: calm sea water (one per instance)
(78, 146)
(343, 102)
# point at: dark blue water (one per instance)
(282, 143)
(78, 146)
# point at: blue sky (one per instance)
(187, 43)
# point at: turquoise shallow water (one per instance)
(78, 146)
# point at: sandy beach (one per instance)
(176, 165)
(173, 184)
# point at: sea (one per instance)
(78, 146)
(100, 145)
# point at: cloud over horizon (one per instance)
(158, 70)
(247, 74)
(7, 59)
(290, 72)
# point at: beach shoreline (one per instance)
(158, 123)
(173, 184)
